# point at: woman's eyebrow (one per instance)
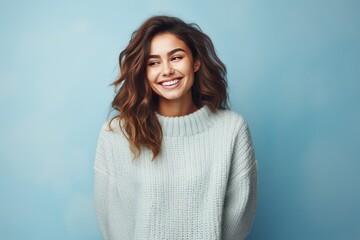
(169, 53)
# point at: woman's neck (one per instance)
(173, 108)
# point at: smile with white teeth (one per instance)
(172, 82)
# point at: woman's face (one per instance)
(170, 68)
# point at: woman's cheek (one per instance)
(151, 75)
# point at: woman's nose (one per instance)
(167, 69)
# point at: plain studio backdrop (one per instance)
(293, 72)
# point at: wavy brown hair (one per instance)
(136, 103)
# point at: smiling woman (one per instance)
(194, 172)
(170, 72)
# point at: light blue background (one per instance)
(293, 73)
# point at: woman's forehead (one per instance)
(164, 43)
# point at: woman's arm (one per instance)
(241, 194)
(108, 204)
(101, 186)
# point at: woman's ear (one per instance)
(197, 65)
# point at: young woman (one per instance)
(174, 163)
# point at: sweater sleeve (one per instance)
(101, 186)
(241, 193)
(105, 191)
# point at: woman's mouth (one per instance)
(171, 83)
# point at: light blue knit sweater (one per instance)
(203, 184)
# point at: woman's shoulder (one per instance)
(231, 118)
(111, 128)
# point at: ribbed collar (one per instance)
(187, 125)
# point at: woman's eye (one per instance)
(153, 63)
(176, 58)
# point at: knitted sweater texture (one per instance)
(202, 185)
